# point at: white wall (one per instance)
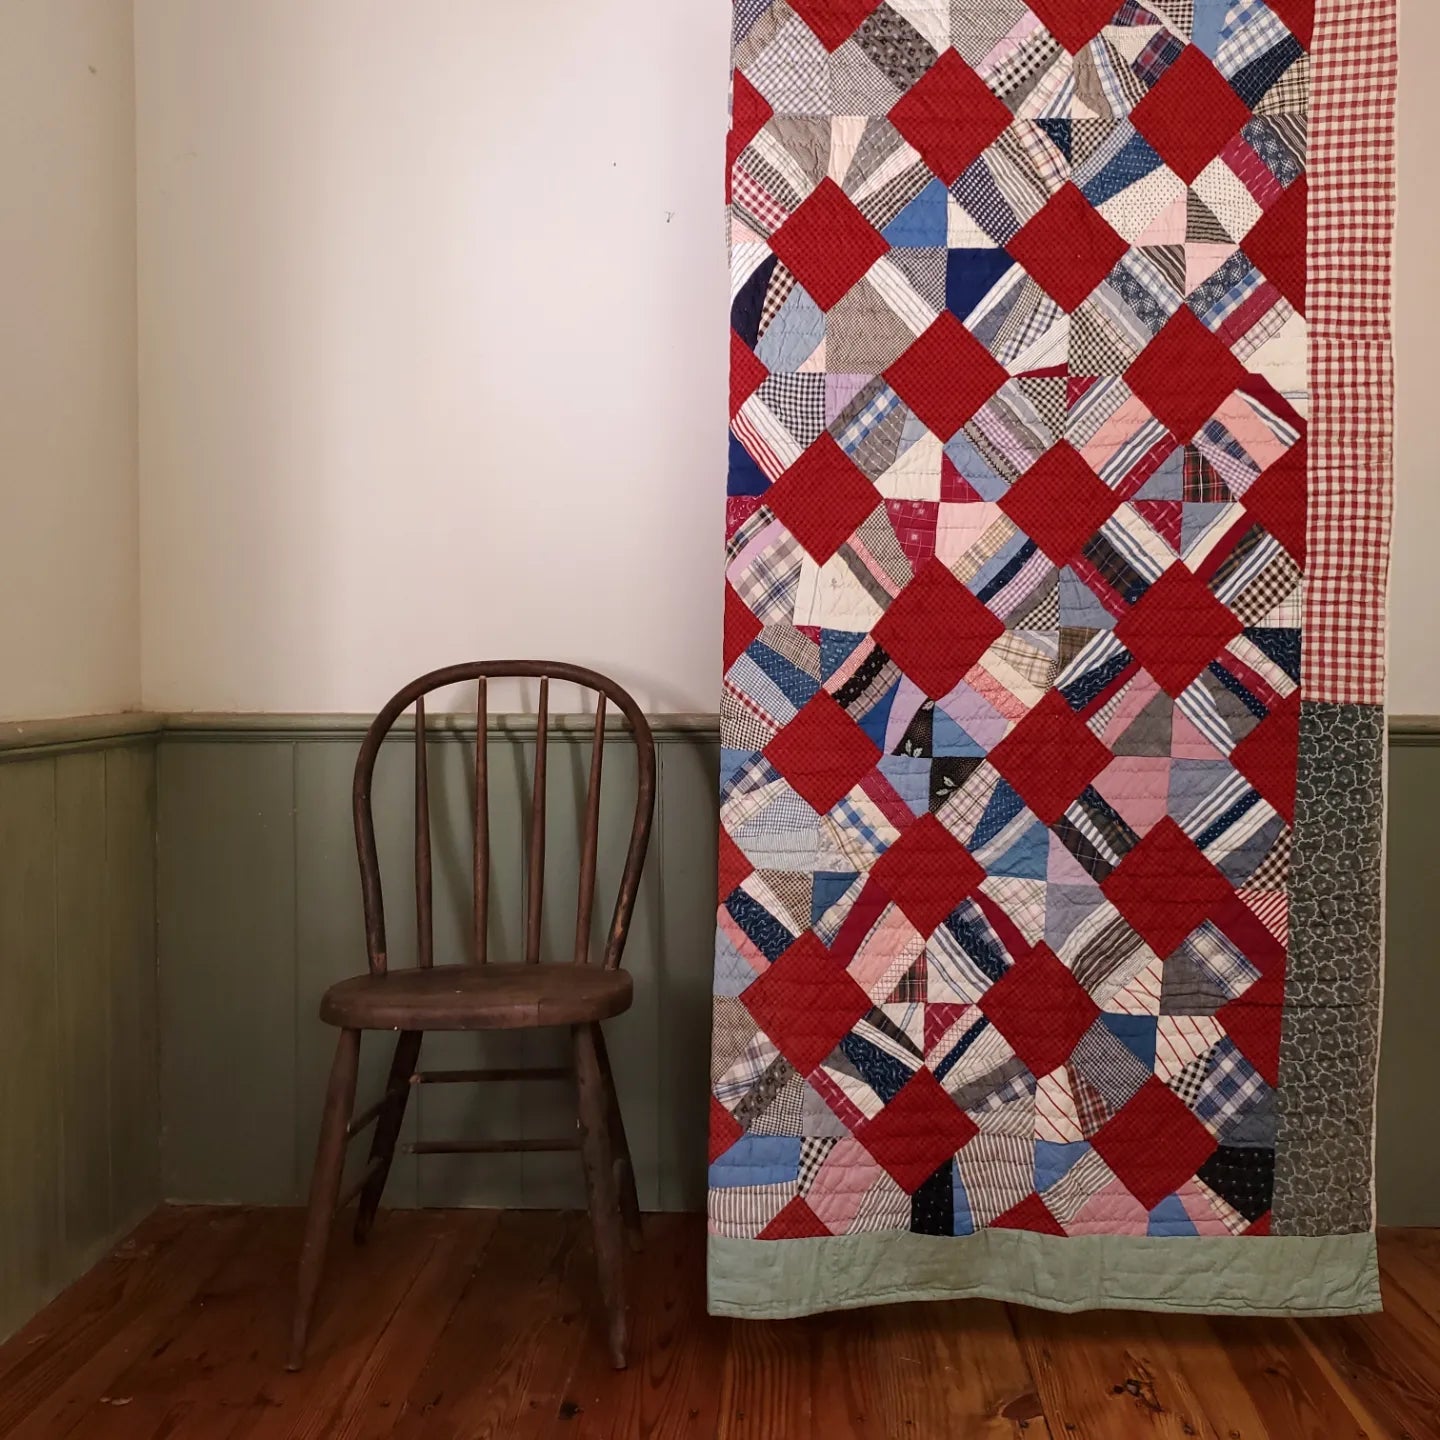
(432, 346)
(69, 597)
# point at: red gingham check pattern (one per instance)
(1352, 224)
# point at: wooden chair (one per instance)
(485, 993)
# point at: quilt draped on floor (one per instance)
(1048, 959)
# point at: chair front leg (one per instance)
(324, 1188)
(600, 1188)
(624, 1166)
(387, 1129)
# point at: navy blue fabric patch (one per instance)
(970, 275)
(764, 931)
(932, 1206)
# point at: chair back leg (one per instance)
(600, 1188)
(387, 1129)
(620, 1146)
(324, 1188)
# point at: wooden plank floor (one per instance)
(468, 1324)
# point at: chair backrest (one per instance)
(480, 673)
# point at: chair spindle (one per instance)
(585, 909)
(537, 829)
(482, 825)
(424, 910)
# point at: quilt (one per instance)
(1048, 958)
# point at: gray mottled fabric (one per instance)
(1330, 1036)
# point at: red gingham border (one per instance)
(1352, 376)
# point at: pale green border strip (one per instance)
(1199, 1275)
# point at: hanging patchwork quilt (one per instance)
(1048, 960)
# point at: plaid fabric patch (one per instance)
(864, 414)
(759, 209)
(1110, 1066)
(1225, 291)
(1189, 1082)
(1163, 50)
(1230, 1089)
(1251, 30)
(814, 1152)
(767, 584)
(777, 292)
(1091, 1108)
(798, 402)
(1212, 952)
(1273, 871)
(1200, 482)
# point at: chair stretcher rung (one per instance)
(370, 1169)
(365, 1118)
(489, 1147)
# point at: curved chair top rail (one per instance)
(480, 673)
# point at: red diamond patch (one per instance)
(1176, 629)
(741, 626)
(935, 630)
(749, 112)
(822, 753)
(1190, 114)
(1075, 23)
(733, 866)
(927, 872)
(950, 116)
(1041, 1009)
(1069, 247)
(747, 373)
(822, 498)
(1165, 887)
(917, 1132)
(1060, 502)
(1266, 757)
(1277, 243)
(946, 376)
(1155, 1144)
(1183, 374)
(1299, 18)
(1050, 757)
(828, 245)
(806, 1003)
(833, 21)
(1277, 500)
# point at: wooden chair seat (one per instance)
(474, 997)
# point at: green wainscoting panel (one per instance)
(690, 828)
(228, 971)
(1408, 1144)
(79, 1109)
(135, 1117)
(260, 910)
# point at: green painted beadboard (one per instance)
(79, 1095)
(254, 908)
